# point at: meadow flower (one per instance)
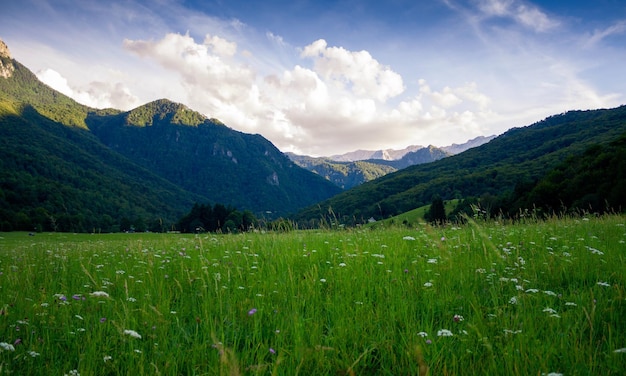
(422, 334)
(458, 318)
(132, 333)
(103, 319)
(99, 294)
(272, 351)
(432, 261)
(33, 354)
(107, 358)
(408, 238)
(513, 300)
(73, 372)
(548, 292)
(622, 350)
(549, 310)
(6, 346)
(252, 311)
(444, 333)
(323, 280)
(605, 284)
(428, 284)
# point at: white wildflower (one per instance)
(605, 284)
(99, 294)
(549, 310)
(408, 238)
(532, 291)
(444, 333)
(422, 334)
(513, 300)
(571, 304)
(107, 358)
(622, 350)
(6, 346)
(432, 261)
(33, 354)
(132, 333)
(548, 292)
(428, 284)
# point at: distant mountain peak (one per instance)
(6, 65)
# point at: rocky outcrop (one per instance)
(6, 63)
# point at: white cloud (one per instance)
(358, 70)
(525, 14)
(96, 94)
(598, 35)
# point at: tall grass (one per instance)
(482, 299)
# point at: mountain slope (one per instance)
(151, 164)
(520, 154)
(206, 157)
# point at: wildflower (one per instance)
(605, 284)
(131, 299)
(432, 261)
(132, 333)
(272, 351)
(444, 333)
(79, 317)
(252, 311)
(428, 342)
(513, 300)
(33, 354)
(622, 350)
(78, 297)
(422, 334)
(99, 294)
(6, 346)
(408, 238)
(103, 319)
(73, 372)
(428, 284)
(138, 351)
(548, 292)
(458, 318)
(443, 238)
(107, 358)
(343, 264)
(532, 291)
(571, 304)
(323, 280)
(549, 310)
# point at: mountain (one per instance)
(354, 168)
(343, 174)
(207, 158)
(386, 154)
(475, 142)
(65, 166)
(510, 161)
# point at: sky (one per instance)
(321, 77)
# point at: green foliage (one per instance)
(436, 212)
(219, 218)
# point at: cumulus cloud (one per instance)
(96, 94)
(341, 95)
(355, 69)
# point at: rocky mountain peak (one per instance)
(6, 66)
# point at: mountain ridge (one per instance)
(139, 165)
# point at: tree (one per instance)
(437, 211)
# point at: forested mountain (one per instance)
(205, 157)
(68, 167)
(516, 159)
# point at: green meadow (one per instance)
(483, 298)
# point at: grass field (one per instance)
(479, 299)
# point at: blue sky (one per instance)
(323, 77)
